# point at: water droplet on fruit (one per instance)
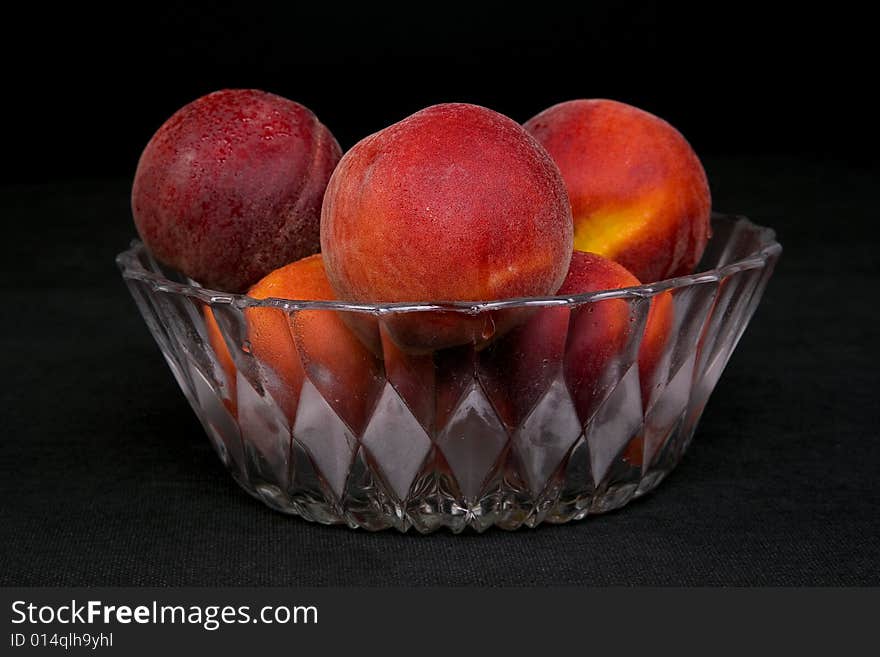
(488, 328)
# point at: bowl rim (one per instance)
(133, 269)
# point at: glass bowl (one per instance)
(555, 409)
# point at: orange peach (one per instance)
(316, 343)
(638, 192)
(224, 357)
(454, 203)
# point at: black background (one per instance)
(90, 86)
(106, 477)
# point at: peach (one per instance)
(581, 342)
(230, 187)
(413, 377)
(316, 343)
(638, 192)
(657, 331)
(224, 357)
(454, 203)
(598, 331)
(518, 367)
(596, 340)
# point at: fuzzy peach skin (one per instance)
(638, 191)
(581, 342)
(314, 343)
(230, 187)
(454, 203)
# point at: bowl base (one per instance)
(508, 506)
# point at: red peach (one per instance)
(454, 203)
(518, 367)
(314, 343)
(582, 342)
(230, 187)
(593, 344)
(413, 377)
(598, 331)
(638, 191)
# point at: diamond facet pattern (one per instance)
(615, 424)
(546, 423)
(396, 441)
(546, 435)
(472, 441)
(328, 439)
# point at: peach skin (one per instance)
(454, 203)
(413, 377)
(657, 332)
(314, 343)
(224, 357)
(230, 187)
(598, 331)
(580, 342)
(638, 191)
(590, 273)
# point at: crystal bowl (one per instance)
(512, 428)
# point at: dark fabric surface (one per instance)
(106, 478)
